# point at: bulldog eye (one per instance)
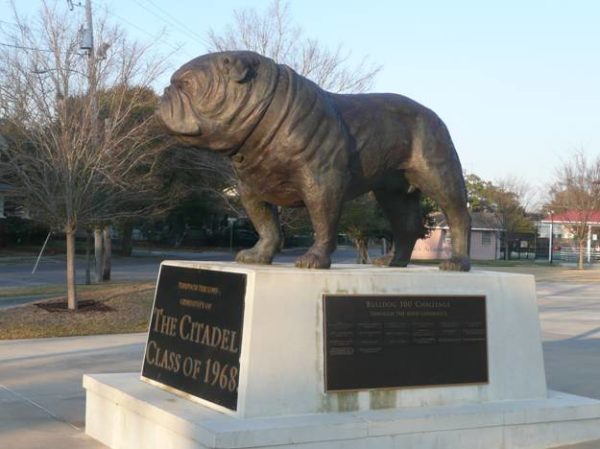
(184, 83)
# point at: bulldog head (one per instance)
(215, 100)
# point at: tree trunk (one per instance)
(107, 253)
(384, 246)
(88, 257)
(362, 250)
(581, 253)
(3, 238)
(71, 287)
(506, 248)
(126, 231)
(98, 247)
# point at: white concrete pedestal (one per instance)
(124, 413)
(281, 396)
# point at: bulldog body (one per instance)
(294, 144)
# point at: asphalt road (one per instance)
(16, 272)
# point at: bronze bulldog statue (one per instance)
(293, 144)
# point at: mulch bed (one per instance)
(84, 306)
(103, 309)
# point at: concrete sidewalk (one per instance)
(42, 403)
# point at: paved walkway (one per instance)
(570, 319)
(42, 403)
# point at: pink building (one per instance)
(485, 239)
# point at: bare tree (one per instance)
(508, 200)
(576, 196)
(204, 173)
(273, 34)
(80, 150)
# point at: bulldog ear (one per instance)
(239, 68)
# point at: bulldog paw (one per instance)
(456, 264)
(313, 260)
(389, 261)
(383, 261)
(254, 256)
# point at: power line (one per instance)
(146, 32)
(177, 21)
(22, 47)
(169, 23)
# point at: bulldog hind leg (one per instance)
(403, 211)
(265, 219)
(444, 184)
(459, 223)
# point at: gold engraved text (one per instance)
(195, 303)
(198, 288)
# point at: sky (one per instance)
(517, 82)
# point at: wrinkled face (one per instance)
(205, 96)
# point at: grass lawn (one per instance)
(543, 272)
(119, 308)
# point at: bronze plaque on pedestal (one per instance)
(392, 341)
(195, 334)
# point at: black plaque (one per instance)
(400, 341)
(195, 333)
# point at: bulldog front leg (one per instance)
(265, 219)
(324, 209)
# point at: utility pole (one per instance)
(87, 44)
(88, 38)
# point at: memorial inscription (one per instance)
(400, 341)
(195, 334)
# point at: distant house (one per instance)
(485, 238)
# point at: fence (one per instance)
(564, 251)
